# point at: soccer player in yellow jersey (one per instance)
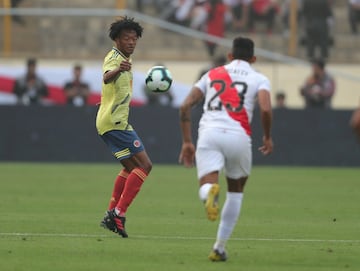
(113, 127)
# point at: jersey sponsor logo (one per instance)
(232, 96)
(137, 143)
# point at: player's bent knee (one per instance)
(148, 168)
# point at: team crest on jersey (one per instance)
(137, 143)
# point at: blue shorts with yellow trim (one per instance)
(123, 144)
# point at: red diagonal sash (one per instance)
(230, 96)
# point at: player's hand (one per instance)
(187, 154)
(267, 146)
(125, 66)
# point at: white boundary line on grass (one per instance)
(79, 235)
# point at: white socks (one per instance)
(229, 216)
(204, 191)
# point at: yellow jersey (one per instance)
(113, 113)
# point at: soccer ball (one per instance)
(158, 79)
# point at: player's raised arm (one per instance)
(266, 121)
(110, 76)
(187, 154)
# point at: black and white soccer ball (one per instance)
(158, 79)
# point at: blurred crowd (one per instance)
(31, 88)
(315, 19)
(217, 17)
(317, 90)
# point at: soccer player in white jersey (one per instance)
(224, 136)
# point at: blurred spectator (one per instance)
(265, 11)
(208, 16)
(191, 13)
(239, 13)
(76, 90)
(280, 100)
(318, 17)
(139, 5)
(158, 5)
(319, 88)
(355, 122)
(199, 14)
(215, 23)
(30, 88)
(285, 14)
(354, 15)
(183, 10)
(178, 11)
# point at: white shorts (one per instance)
(219, 149)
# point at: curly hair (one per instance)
(125, 23)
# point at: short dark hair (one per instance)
(243, 48)
(125, 23)
(77, 66)
(280, 95)
(319, 62)
(31, 61)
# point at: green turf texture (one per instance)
(293, 218)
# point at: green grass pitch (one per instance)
(293, 218)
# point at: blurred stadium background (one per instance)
(295, 218)
(62, 33)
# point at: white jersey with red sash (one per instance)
(230, 95)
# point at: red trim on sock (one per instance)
(141, 173)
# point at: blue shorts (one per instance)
(123, 144)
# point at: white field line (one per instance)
(79, 235)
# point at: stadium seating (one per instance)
(86, 36)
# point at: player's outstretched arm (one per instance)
(187, 153)
(110, 76)
(266, 121)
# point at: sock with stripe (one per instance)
(229, 216)
(132, 186)
(118, 188)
